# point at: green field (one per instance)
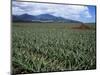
(46, 47)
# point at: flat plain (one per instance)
(47, 47)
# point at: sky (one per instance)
(81, 13)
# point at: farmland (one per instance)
(46, 47)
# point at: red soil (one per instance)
(82, 26)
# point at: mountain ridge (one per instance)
(41, 18)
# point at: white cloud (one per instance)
(17, 11)
(66, 11)
(87, 14)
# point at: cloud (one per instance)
(67, 11)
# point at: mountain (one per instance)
(24, 17)
(40, 18)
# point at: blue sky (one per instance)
(74, 12)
